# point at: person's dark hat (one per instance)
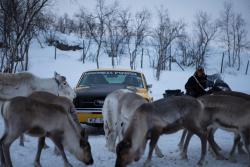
(199, 68)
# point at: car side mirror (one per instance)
(149, 86)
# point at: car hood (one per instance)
(98, 90)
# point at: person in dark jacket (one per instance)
(196, 84)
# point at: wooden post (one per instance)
(170, 58)
(221, 67)
(247, 67)
(142, 52)
(55, 53)
(83, 51)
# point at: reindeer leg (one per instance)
(40, 146)
(245, 135)
(6, 142)
(186, 143)
(203, 139)
(110, 135)
(240, 148)
(158, 151)
(236, 142)
(153, 141)
(57, 139)
(212, 143)
(183, 136)
(212, 132)
(21, 140)
(2, 162)
(1, 152)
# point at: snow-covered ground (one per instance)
(68, 64)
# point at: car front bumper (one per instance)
(90, 116)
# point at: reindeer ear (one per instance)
(55, 74)
(57, 77)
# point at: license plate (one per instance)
(95, 120)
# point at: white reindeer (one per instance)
(118, 109)
(24, 83)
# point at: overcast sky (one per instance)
(178, 9)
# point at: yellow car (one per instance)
(95, 85)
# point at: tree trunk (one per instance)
(83, 51)
(26, 59)
(97, 55)
(142, 57)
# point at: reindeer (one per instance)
(237, 136)
(163, 116)
(26, 115)
(228, 112)
(118, 108)
(215, 84)
(66, 103)
(24, 83)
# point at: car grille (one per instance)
(89, 102)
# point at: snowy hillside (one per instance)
(42, 63)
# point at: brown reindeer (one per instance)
(62, 101)
(228, 112)
(26, 115)
(213, 129)
(153, 119)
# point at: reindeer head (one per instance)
(123, 152)
(85, 154)
(64, 88)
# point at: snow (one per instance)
(42, 63)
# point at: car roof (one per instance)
(114, 69)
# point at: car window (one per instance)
(112, 77)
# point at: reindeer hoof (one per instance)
(68, 165)
(200, 164)
(232, 159)
(21, 144)
(159, 154)
(220, 157)
(147, 163)
(37, 164)
(184, 156)
(241, 151)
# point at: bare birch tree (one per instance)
(19, 20)
(117, 25)
(96, 25)
(138, 34)
(164, 34)
(205, 30)
(226, 38)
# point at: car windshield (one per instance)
(128, 78)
